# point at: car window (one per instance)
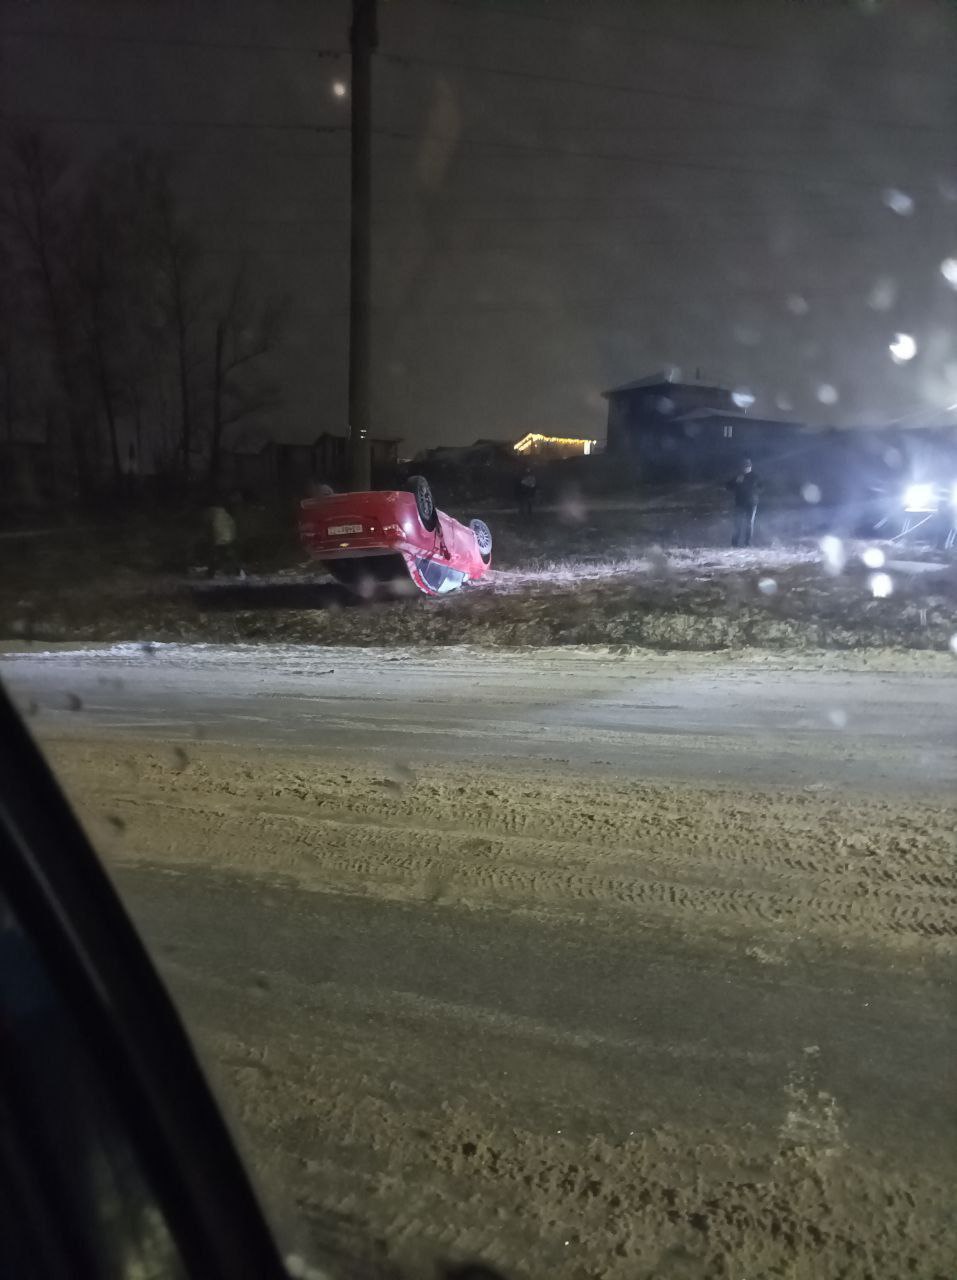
(438, 576)
(597, 918)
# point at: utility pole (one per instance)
(364, 38)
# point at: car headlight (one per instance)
(919, 497)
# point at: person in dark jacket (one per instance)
(744, 490)
(525, 489)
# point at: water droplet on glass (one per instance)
(74, 702)
(883, 294)
(339, 89)
(784, 402)
(838, 718)
(953, 643)
(881, 585)
(742, 397)
(797, 304)
(873, 557)
(746, 335)
(899, 201)
(903, 348)
(835, 556)
(827, 393)
(767, 586)
(948, 269)
(811, 493)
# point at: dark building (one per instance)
(287, 468)
(281, 467)
(483, 453)
(673, 430)
(332, 459)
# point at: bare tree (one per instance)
(98, 282)
(38, 215)
(137, 337)
(11, 322)
(182, 299)
(244, 335)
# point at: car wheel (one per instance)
(420, 488)
(483, 539)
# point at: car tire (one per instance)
(483, 539)
(421, 490)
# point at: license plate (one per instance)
(335, 529)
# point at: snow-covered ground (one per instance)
(871, 715)
(653, 571)
(569, 960)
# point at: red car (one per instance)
(368, 538)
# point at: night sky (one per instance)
(566, 196)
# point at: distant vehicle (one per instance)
(933, 504)
(382, 537)
(927, 509)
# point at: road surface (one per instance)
(828, 719)
(581, 964)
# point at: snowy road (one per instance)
(816, 720)
(583, 963)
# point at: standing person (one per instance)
(526, 486)
(222, 540)
(744, 490)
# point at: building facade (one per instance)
(671, 430)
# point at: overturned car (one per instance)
(394, 535)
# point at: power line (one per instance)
(649, 159)
(650, 33)
(89, 37)
(673, 95)
(639, 299)
(113, 122)
(696, 240)
(256, 47)
(490, 147)
(696, 237)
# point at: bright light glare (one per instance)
(899, 201)
(873, 557)
(339, 89)
(948, 269)
(742, 397)
(881, 585)
(903, 348)
(919, 497)
(834, 554)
